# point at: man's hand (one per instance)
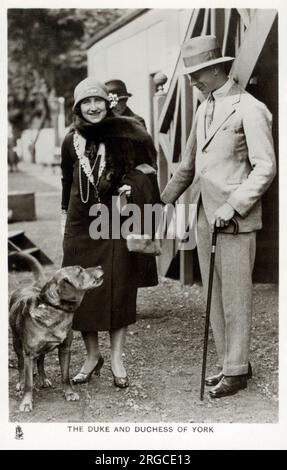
(223, 215)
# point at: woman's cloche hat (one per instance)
(89, 87)
(200, 52)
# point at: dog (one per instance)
(41, 319)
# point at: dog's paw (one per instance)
(26, 405)
(19, 387)
(45, 383)
(72, 396)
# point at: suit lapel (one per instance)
(227, 108)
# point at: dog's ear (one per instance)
(69, 290)
(65, 283)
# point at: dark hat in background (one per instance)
(118, 87)
(89, 87)
(200, 52)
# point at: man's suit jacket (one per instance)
(234, 162)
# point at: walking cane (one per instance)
(208, 302)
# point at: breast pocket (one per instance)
(232, 129)
(234, 181)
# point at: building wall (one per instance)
(151, 43)
(135, 52)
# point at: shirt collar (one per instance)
(223, 90)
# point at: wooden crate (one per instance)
(22, 205)
(19, 242)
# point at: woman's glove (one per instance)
(124, 196)
(63, 221)
(146, 169)
(125, 190)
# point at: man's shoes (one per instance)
(215, 379)
(229, 385)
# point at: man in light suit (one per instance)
(229, 161)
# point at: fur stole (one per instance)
(127, 146)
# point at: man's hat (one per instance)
(89, 87)
(200, 52)
(118, 87)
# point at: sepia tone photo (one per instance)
(111, 110)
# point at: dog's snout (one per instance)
(96, 275)
(99, 271)
(95, 272)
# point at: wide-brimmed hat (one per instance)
(118, 87)
(89, 87)
(200, 52)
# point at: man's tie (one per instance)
(209, 111)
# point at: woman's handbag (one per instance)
(137, 242)
(143, 244)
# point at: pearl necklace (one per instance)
(84, 164)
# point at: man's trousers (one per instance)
(231, 306)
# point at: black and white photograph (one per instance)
(143, 279)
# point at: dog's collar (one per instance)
(43, 300)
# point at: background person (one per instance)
(12, 154)
(118, 88)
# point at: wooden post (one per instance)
(252, 45)
(185, 256)
(158, 100)
(54, 112)
(168, 246)
(61, 119)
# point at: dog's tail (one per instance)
(33, 263)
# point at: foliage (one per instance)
(47, 56)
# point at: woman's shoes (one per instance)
(82, 378)
(121, 382)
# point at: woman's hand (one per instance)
(124, 195)
(125, 190)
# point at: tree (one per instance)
(47, 56)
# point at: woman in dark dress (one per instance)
(100, 154)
